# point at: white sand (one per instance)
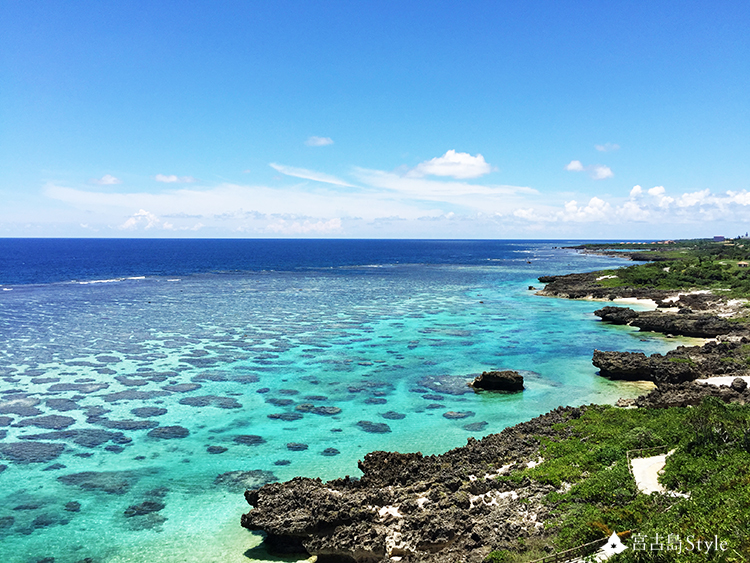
(650, 304)
(723, 380)
(646, 471)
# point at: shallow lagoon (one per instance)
(250, 369)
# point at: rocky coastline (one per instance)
(410, 507)
(452, 507)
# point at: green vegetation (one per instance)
(684, 264)
(711, 464)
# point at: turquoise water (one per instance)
(216, 354)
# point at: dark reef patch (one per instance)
(182, 387)
(475, 426)
(239, 481)
(51, 421)
(111, 482)
(454, 415)
(248, 440)
(31, 452)
(146, 412)
(62, 405)
(373, 427)
(169, 432)
(286, 416)
(211, 400)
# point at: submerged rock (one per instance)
(182, 387)
(31, 452)
(146, 507)
(51, 421)
(20, 404)
(374, 427)
(375, 401)
(112, 482)
(476, 426)
(146, 412)
(321, 410)
(243, 480)
(248, 440)
(211, 400)
(454, 415)
(447, 384)
(169, 432)
(286, 416)
(62, 405)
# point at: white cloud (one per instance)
(172, 179)
(309, 175)
(660, 209)
(282, 226)
(607, 147)
(424, 188)
(106, 180)
(142, 218)
(600, 172)
(596, 171)
(743, 197)
(632, 211)
(318, 141)
(459, 165)
(596, 210)
(657, 191)
(695, 198)
(528, 214)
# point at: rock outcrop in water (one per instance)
(418, 508)
(508, 381)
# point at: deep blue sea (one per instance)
(145, 383)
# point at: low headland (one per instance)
(563, 480)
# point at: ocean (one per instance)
(145, 383)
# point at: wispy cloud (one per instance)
(595, 171)
(172, 179)
(424, 188)
(607, 147)
(309, 175)
(458, 165)
(318, 141)
(283, 226)
(106, 180)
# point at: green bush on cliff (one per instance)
(597, 495)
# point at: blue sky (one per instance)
(374, 119)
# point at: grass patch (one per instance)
(711, 464)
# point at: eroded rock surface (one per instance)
(508, 381)
(420, 508)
